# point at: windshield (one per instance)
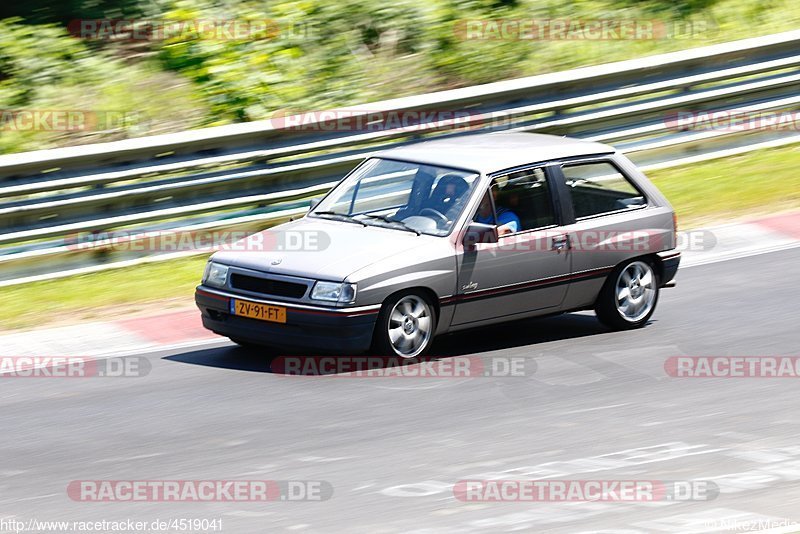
(400, 195)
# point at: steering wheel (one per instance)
(436, 215)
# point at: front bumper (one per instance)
(306, 328)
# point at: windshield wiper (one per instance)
(343, 216)
(384, 218)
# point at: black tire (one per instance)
(422, 322)
(610, 306)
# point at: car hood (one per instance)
(319, 248)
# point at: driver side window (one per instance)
(522, 201)
(485, 213)
(527, 193)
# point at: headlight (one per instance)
(215, 275)
(334, 292)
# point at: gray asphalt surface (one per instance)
(598, 406)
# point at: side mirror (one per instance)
(313, 203)
(480, 233)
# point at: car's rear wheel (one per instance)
(405, 326)
(629, 297)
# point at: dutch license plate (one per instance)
(262, 312)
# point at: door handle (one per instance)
(560, 243)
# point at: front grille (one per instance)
(266, 286)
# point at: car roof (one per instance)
(496, 151)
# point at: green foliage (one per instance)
(32, 57)
(364, 50)
(43, 68)
(316, 54)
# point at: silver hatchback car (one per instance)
(450, 234)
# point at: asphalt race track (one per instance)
(593, 405)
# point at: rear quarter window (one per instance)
(599, 187)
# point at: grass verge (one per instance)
(102, 296)
(758, 183)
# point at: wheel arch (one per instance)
(652, 259)
(429, 294)
(425, 292)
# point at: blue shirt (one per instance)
(504, 217)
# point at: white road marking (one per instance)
(610, 406)
(736, 241)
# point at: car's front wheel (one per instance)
(629, 297)
(405, 326)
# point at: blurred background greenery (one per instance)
(327, 53)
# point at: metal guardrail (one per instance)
(249, 176)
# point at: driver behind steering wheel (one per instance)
(507, 221)
(448, 196)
